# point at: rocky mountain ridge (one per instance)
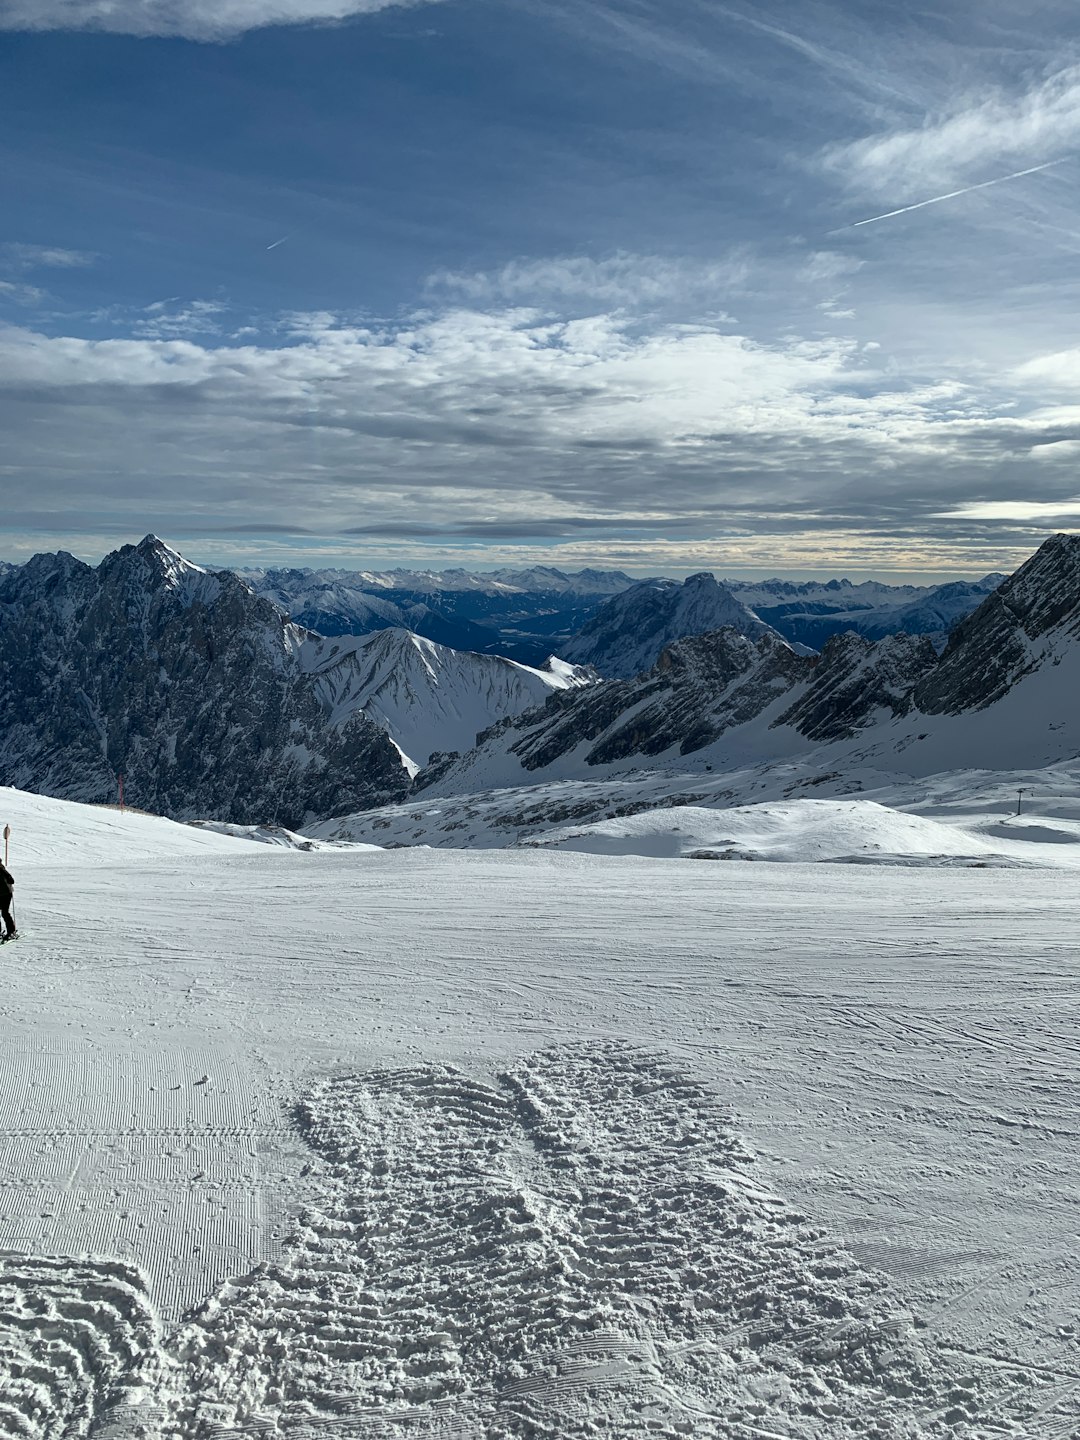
(426, 697)
(183, 682)
(725, 698)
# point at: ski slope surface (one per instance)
(524, 1143)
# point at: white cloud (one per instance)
(501, 423)
(192, 19)
(1060, 370)
(169, 320)
(1020, 510)
(642, 281)
(989, 129)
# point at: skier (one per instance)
(7, 895)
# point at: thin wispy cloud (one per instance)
(20, 294)
(172, 319)
(15, 256)
(619, 279)
(192, 19)
(1033, 124)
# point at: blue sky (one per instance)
(335, 281)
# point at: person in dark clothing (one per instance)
(7, 895)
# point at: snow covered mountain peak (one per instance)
(427, 697)
(628, 633)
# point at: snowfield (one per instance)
(853, 831)
(524, 1143)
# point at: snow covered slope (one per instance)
(628, 633)
(425, 696)
(978, 804)
(804, 831)
(581, 1146)
(48, 831)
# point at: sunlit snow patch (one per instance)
(795, 831)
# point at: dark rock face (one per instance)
(1009, 634)
(853, 679)
(627, 634)
(699, 688)
(184, 682)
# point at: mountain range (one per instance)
(592, 615)
(627, 633)
(1001, 695)
(525, 615)
(209, 701)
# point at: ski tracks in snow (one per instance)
(580, 1248)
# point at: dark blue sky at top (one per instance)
(452, 136)
(755, 379)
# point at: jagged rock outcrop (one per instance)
(627, 634)
(698, 688)
(854, 680)
(1015, 630)
(183, 681)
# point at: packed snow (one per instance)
(523, 1143)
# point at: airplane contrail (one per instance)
(279, 242)
(937, 199)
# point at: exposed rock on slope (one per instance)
(627, 634)
(700, 688)
(184, 682)
(854, 681)
(906, 708)
(1029, 621)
